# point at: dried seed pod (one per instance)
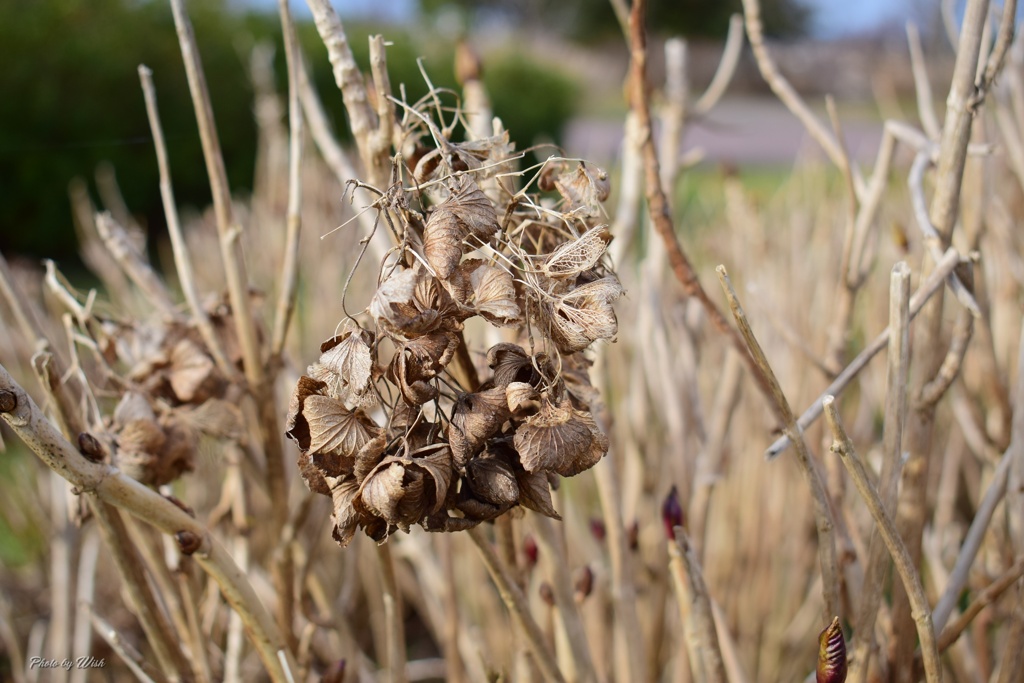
(559, 439)
(831, 654)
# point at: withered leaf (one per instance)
(411, 303)
(466, 211)
(494, 295)
(296, 426)
(475, 418)
(402, 491)
(492, 480)
(336, 434)
(509, 363)
(369, 456)
(584, 187)
(559, 439)
(583, 315)
(344, 517)
(578, 255)
(345, 367)
(192, 373)
(215, 417)
(519, 395)
(535, 494)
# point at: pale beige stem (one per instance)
(112, 486)
(517, 606)
(698, 616)
(822, 509)
(876, 563)
(140, 668)
(887, 528)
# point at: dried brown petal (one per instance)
(476, 417)
(132, 406)
(419, 361)
(583, 315)
(510, 363)
(584, 188)
(492, 480)
(192, 374)
(296, 427)
(343, 515)
(313, 477)
(369, 456)
(402, 491)
(467, 211)
(559, 439)
(578, 255)
(494, 295)
(411, 303)
(155, 454)
(215, 417)
(535, 494)
(345, 367)
(141, 436)
(520, 395)
(336, 434)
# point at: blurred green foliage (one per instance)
(591, 21)
(70, 99)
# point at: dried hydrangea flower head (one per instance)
(393, 421)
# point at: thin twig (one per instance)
(986, 597)
(112, 486)
(290, 267)
(932, 284)
(726, 67)
(901, 556)
(822, 509)
(660, 213)
(182, 261)
(395, 632)
(897, 368)
(553, 556)
(698, 616)
(922, 85)
(116, 239)
(516, 604)
(142, 669)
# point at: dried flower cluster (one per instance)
(391, 421)
(170, 395)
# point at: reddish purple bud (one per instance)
(547, 594)
(583, 583)
(530, 552)
(672, 512)
(633, 536)
(597, 529)
(831, 654)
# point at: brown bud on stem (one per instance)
(672, 513)
(8, 401)
(90, 447)
(188, 542)
(583, 583)
(547, 594)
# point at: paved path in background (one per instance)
(743, 131)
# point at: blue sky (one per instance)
(832, 17)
